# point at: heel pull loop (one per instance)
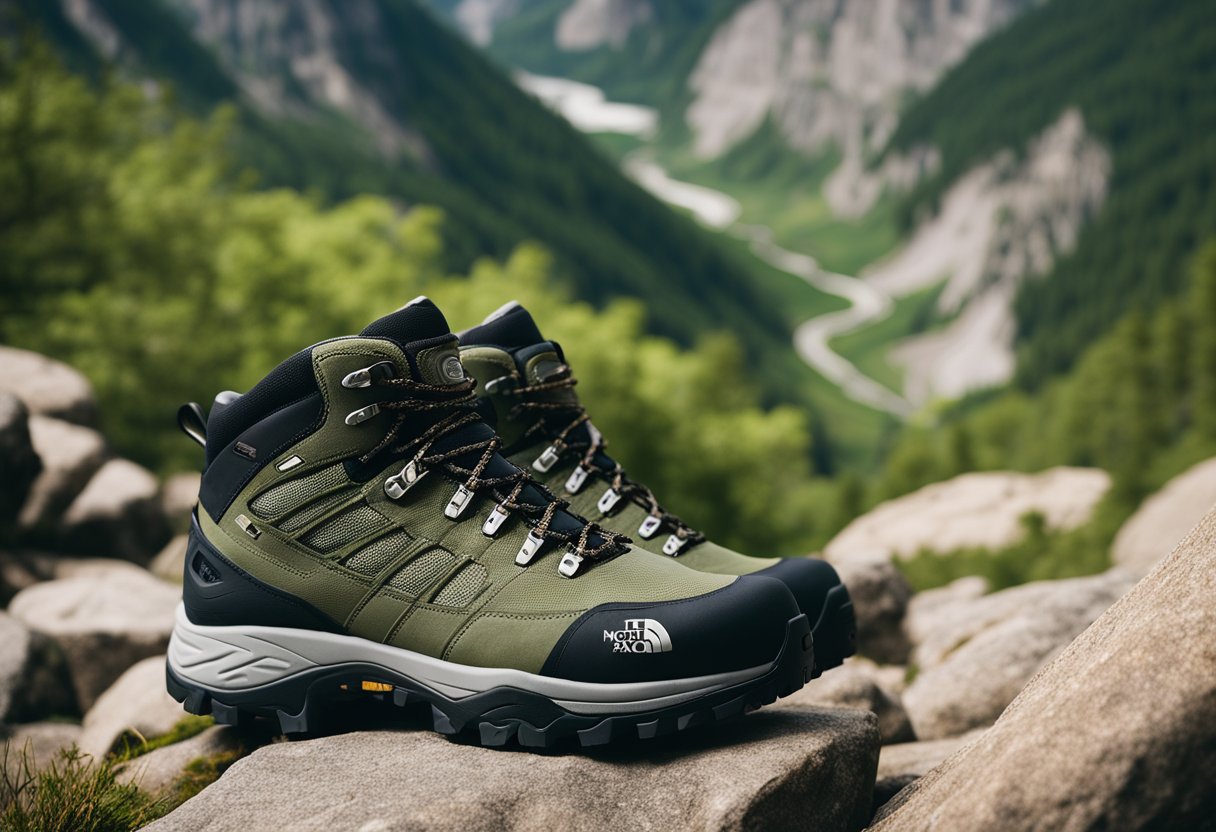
(193, 423)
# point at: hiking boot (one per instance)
(359, 535)
(527, 393)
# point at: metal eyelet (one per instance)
(570, 564)
(548, 458)
(459, 502)
(362, 414)
(502, 384)
(673, 545)
(365, 377)
(494, 522)
(544, 374)
(247, 526)
(649, 526)
(577, 477)
(396, 485)
(528, 551)
(608, 500)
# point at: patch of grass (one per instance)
(198, 775)
(131, 744)
(870, 346)
(72, 794)
(1041, 554)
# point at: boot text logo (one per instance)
(640, 635)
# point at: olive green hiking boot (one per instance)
(526, 391)
(358, 535)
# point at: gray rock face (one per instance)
(981, 653)
(137, 702)
(103, 621)
(1117, 733)
(178, 498)
(828, 74)
(47, 387)
(977, 509)
(880, 596)
(155, 771)
(42, 740)
(927, 608)
(905, 763)
(858, 684)
(587, 24)
(33, 676)
(119, 514)
(18, 460)
(170, 564)
(773, 770)
(70, 456)
(1165, 518)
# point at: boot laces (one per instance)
(453, 406)
(564, 439)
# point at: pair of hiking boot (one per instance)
(402, 514)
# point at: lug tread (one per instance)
(495, 726)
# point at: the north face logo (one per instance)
(641, 635)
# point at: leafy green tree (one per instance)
(138, 256)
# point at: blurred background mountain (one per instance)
(819, 252)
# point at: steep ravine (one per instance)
(1005, 221)
(868, 304)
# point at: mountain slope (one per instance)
(375, 96)
(1142, 74)
(813, 77)
(636, 50)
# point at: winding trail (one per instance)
(586, 108)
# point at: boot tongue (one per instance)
(422, 332)
(510, 327)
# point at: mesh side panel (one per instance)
(463, 587)
(344, 528)
(292, 494)
(314, 510)
(376, 555)
(419, 573)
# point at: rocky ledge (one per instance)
(1082, 703)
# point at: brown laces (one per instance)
(458, 400)
(563, 379)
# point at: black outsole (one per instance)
(497, 716)
(835, 632)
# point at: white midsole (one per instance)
(246, 657)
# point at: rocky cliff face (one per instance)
(830, 73)
(477, 17)
(827, 73)
(1003, 222)
(591, 23)
(829, 70)
(286, 57)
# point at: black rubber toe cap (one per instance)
(809, 581)
(740, 626)
(825, 600)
